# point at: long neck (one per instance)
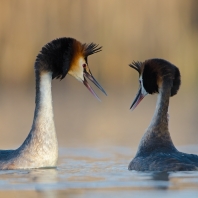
(157, 136)
(42, 137)
(160, 117)
(43, 115)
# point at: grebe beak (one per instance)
(140, 95)
(88, 74)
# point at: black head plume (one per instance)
(159, 70)
(154, 75)
(91, 48)
(136, 65)
(56, 57)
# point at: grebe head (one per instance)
(152, 74)
(67, 55)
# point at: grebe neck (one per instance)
(160, 117)
(157, 136)
(41, 143)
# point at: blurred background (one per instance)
(128, 30)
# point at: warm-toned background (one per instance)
(128, 30)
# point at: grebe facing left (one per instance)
(55, 60)
(156, 151)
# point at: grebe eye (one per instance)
(84, 65)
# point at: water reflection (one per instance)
(47, 176)
(85, 172)
(162, 180)
(160, 176)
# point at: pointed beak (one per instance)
(92, 79)
(138, 99)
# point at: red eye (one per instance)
(84, 65)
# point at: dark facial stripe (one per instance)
(176, 82)
(149, 78)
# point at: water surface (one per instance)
(97, 172)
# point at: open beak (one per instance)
(140, 95)
(92, 79)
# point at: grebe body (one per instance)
(156, 151)
(55, 60)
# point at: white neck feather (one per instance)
(40, 149)
(44, 108)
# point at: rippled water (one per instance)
(94, 172)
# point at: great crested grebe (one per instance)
(55, 60)
(156, 151)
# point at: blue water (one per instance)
(97, 172)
